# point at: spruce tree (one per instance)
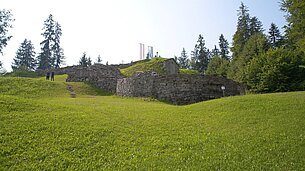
(51, 55)
(295, 30)
(200, 55)
(99, 59)
(58, 54)
(256, 26)
(215, 52)
(242, 33)
(45, 59)
(183, 60)
(224, 47)
(25, 56)
(274, 36)
(84, 61)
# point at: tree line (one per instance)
(265, 62)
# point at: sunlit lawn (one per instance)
(43, 128)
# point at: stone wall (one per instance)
(103, 76)
(177, 89)
(171, 67)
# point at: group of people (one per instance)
(48, 76)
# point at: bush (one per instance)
(277, 70)
(22, 72)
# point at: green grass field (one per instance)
(43, 128)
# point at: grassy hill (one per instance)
(43, 128)
(155, 64)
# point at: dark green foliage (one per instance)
(295, 30)
(200, 56)
(224, 47)
(25, 56)
(58, 54)
(99, 59)
(85, 61)
(5, 23)
(183, 60)
(242, 33)
(276, 70)
(275, 39)
(256, 26)
(45, 58)
(215, 52)
(218, 66)
(22, 71)
(256, 45)
(51, 55)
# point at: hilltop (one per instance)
(155, 64)
(42, 127)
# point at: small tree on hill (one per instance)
(183, 60)
(25, 56)
(274, 36)
(224, 47)
(200, 55)
(84, 61)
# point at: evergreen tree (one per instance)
(5, 23)
(242, 33)
(295, 30)
(51, 55)
(25, 56)
(200, 55)
(218, 66)
(99, 59)
(183, 60)
(274, 36)
(89, 61)
(256, 26)
(224, 47)
(58, 54)
(215, 52)
(85, 61)
(45, 59)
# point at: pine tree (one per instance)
(45, 59)
(51, 55)
(256, 26)
(224, 47)
(25, 56)
(242, 33)
(84, 61)
(89, 61)
(274, 36)
(200, 55)
(58, 54)
(296, 23)
(183, 60)
(99, 59)
(215, 52)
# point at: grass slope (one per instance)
(155, 64)
(56, 132)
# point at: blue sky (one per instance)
(114, 28)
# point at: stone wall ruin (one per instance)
(178, 89)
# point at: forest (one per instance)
(264, 59)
